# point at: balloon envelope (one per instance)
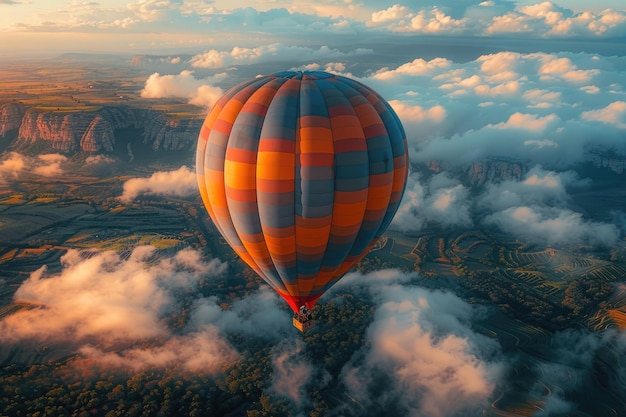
(301, 172)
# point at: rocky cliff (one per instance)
(481, 172)
(11, 115)
(611, 162)
(172, 135)
(488, 171)
(95, 131)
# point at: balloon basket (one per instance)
(303, 319)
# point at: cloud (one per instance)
(538, 187)
(336, 67)
(399, 18)
(527, 121)
(204, 351)
(269, 53)
(151, 10)
(567, 369)
(549, 105)
(614, 113)
(13, 165)
(548, 20)
(257, 315)
(421, 352)
(292, 373)
(114, 308)
(140, 24)
(544, 20)
(418, 66)
(50, 165)
(200, 92)
(104, 297)
(98, 160)
(553, 226)
(442, 201)
(178, 183)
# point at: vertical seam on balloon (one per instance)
(340, 80)
(261, 82)
(362, 87)
(398, 124)
(407, 164)
(269, 80)
(257, 191)
(295, 169)
(315, 83)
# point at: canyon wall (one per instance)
(95, 131)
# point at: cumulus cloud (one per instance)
(203, 351)
(200, 92)
(487, 18)
(226, 20)
(179, 183)
(257, 315)
(614, 113)
(543, 108)
(14, 165)
(98, 160)
(418, 66)
(567, 369)
(291, 371)
(11, 166)
(50, 165)
(538, 186)
(442, 200)
(421, 352)
(549, 20)
(269, 53)
(553, 226)
(104, 297)
(399, 18)
(106, 305)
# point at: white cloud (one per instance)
(418, 66)
(202, 351)
(292, 372)
(11, 166)
(537, 187)
(180, 183)
(257, 315)
(442, 201)
(614, 113)
(103, 297)
(114, 309)
(547, 20)
(269, 53)
(50, 165)
(553, 226)
(421, 344)
(150, 10)
(394, 12)
(527, 121)
(455, 112)
(14, 165)
(200, 92)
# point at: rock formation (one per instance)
(490, 170)
(95, 131)
(11, 115)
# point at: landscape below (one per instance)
(532, 293)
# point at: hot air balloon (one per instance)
(301, 172)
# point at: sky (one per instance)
(161, 26)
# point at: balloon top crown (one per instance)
(304, 75)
